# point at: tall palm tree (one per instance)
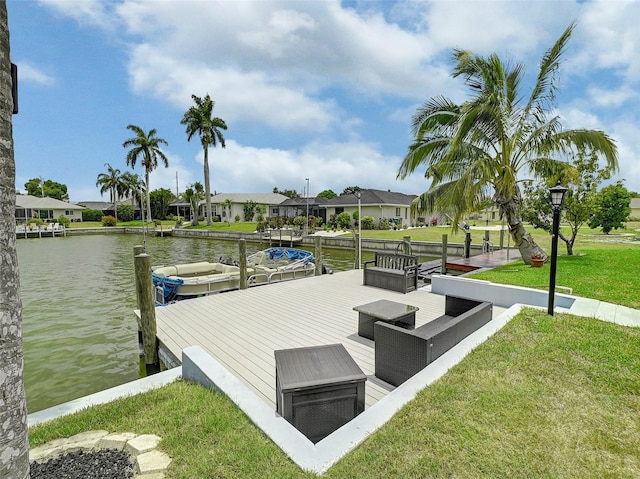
(199, 120)
(476, 151)
(147, 147)
(14, 446)
(112, 182)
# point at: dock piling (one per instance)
(144, 284)
(242, 251)
(318, 254)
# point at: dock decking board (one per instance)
(242, 329)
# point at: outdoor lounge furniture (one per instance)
(318, 389)
(402, 315)
(401, 353)
(392, 271)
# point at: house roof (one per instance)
(373, 197)
(302, 201)
(46, 203)
(260, 198)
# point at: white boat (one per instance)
(191, 280)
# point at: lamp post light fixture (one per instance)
(557, 197)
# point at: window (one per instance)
(68, 212)
(397, 212)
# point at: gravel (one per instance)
(102, 464)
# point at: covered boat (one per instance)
(190, 280)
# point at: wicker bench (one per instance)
(395, 272)
(401, 353)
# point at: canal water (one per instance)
(78, 294)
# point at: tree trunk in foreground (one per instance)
(521, 238)
(14, 446)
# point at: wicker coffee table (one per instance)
(398, 314)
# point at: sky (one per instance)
(317, 93)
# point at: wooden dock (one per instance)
(242, 329)
(485, 260)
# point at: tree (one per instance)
(327, 194)
(35, 187)
(477, 150)
(612, 208)
(249, 210)
(111, 182)
(56, 190)
(41, 188)
(146, 147)
(579, 202)
(200, 121)
(226, 209)
(351, 190)
(131, 186)
(194, 194)
(14, 446)
(287, 193)
(160, 200)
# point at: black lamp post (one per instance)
(557, 197)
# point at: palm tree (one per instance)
(226, 209)
(475, 151)
(199, 120)
(147, 146)
(132, 186)
(113, 183)
(194, 194)
(14, 445)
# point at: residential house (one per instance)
(635, 208)
(391, 205)
(108, 208)
(292, 207)
(269, 201)
(47, 209)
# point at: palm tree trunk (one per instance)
(148, 195)
(207, 186)
(14, 446)
(521, 238)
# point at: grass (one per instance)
(547, 396)
(607, 274)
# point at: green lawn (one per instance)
(554, 397)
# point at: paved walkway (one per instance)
(612, 313)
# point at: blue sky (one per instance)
(323, 90)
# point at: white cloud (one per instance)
(30, 73)
(85, 12)
(239, 95)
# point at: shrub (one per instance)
(214, 218)
(64, 221)
(237, 218)
(179, 220)
(343, 220)
(384, 224)
(355, 216)
(125, 213)
(109, 221)
(261, 226)
(368, 223)
(299, 221)
(92, 215)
